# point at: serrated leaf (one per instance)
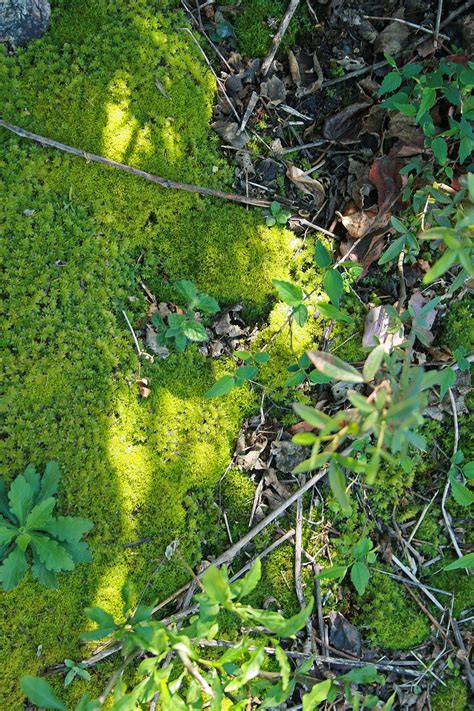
(78, 550)
(291, 294)
(67, 528)
(33, 478)
(373, 363)
(322, 256)
(51, 554)
(360, 576)
(206, 304)
(194, 331)
(40, 693)
(333, 313)
(461, 494)
(223, 386)
(186, 289)
(40, 514)
(49, 481)
(391, 81)
(333, 285)
(300, 314)
(13, 569)
(20, 497)
(43, 575)
(7, 531)
(334, 368)
(245, 372)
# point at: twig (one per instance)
(249, 110)
(137, 345)
(319, 606)
(195, 673)
(423, 514)
(408, 24)
(458, 11)
(462, 647)
(164, 182)
(302, 221)
(410, 575)
(438, 22)
(279, 35)
(431, 618)
(309, 645)
(446, 516)
(403, 291)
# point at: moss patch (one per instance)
(258, 22)
(77, 239)
(453, 696)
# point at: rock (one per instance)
(343, 635)
(23, 20)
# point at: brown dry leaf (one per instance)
(393, 38)
(229, 132)
(307, 185)
(402, 127)
(274, 90)
(358, 222)
(294, 68)
(384, 173)
(376, 330)
(344, 122)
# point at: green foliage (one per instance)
(185, 328)
(453, 696)
(276, 215)
(451, 82)
(75, 669)
(363, 555)
(257, 22)
(243, 373)
(27, 525)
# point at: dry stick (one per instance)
(164, 182)
(431, 617)
(137, 345)
(249, 111)
(279, 35)
(407, 24)
(438, 22)
(446, 516)
(309, 644)
(319, 605)
(410, 575)
(462, 647)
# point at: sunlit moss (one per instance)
(453, 696)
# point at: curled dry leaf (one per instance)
(384, 173)
(307, 185)
(358, 222)
(230, 132)
(274, 90)
(344, 122)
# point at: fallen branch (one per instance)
(163, 182)
(279, 35)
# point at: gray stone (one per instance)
(23, 20)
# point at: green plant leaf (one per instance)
(249, 582)
(284, 664)
(373, 363)
(393, 250)
(466, 146)
(300, 314)
(194, 331)
(245, 372)
(262, 358)
(313, 417)
(21, 498)
(360, 402)
(466, 561)
(13, 569)
(428, 100)
(389, 703)
(206, 304)
(104, 620)
(186, 289)
(337, 482)
(43, 575)
(304, 438)
(40, 514)
(223, 386)
(49, 481)
(468, 470)
(334, 368)
(360, 576)
(216, 585)
(7, 531)
(335, 572)
(249, 670)
(317, 695)
(322, 256)
(461, 494)
(67, 528)
(40, 693)
(333, 285)
(440, 149)
(363, 675)
(291, 294)
(295, 379)
(440, 267)
(391, 81)
(51, 554)
(333, 313)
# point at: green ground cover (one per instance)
(77, 238)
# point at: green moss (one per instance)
(77, 238)
(388, 618)
(257, 22)
(457, 583)
(237, 498)
(457, 326)
(453, 696)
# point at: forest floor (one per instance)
(143, 453)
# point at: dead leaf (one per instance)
(393, 38)
(384, 173)
(151, 343)
(417, 301)
(294, 68)
(229, 132)
(307, 185)
(274, 90)
(358, 222)
(344, 122)
(376, 330)
(288, 455)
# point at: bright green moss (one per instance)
(237, 498)
(77, 238)
(457, 583)
(453, 696)
(257, 22)
(388, 618)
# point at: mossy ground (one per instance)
(77, 239)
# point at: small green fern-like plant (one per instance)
(27, 526)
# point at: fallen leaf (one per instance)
(384, 173)
(344, 122)
(229, 132)
(151, 343)
(393, 38)
(307, 185)
(358, 222)
(376, 330)
(274, 90)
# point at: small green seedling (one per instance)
(187, 327)
(276, 215)
(27, 526)
(75, 669)
(363, 555)
(243, 373)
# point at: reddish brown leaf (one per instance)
(384, 173)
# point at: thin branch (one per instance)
(438, 21)
(291, 9)
(195, 673)
(163, 182)
(137, 345)
(407, 24)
